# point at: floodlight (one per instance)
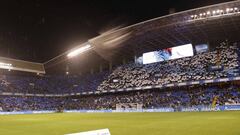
(214, 12)
(208, 12)
(79, 50)
(5, 65)
(227, 9)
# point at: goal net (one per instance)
(129, 107)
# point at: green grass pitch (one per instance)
(184, 123)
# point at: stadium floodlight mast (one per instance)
(79, 51)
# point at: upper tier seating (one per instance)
(174, 71)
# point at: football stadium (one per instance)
(177, 74)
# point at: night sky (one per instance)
(38, 30)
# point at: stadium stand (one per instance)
(132, 75)
(16, 103)
(50, 84)
(175, 98)
(175, 71)
(193, 68)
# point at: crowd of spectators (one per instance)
(176, 97)
(23, 103)
(159, 99)
(185, 69)
(50, 84)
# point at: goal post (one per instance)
(129, 107)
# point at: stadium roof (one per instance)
(171, 30)
(167, 31)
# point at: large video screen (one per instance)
(168, 54)
(201, 48)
